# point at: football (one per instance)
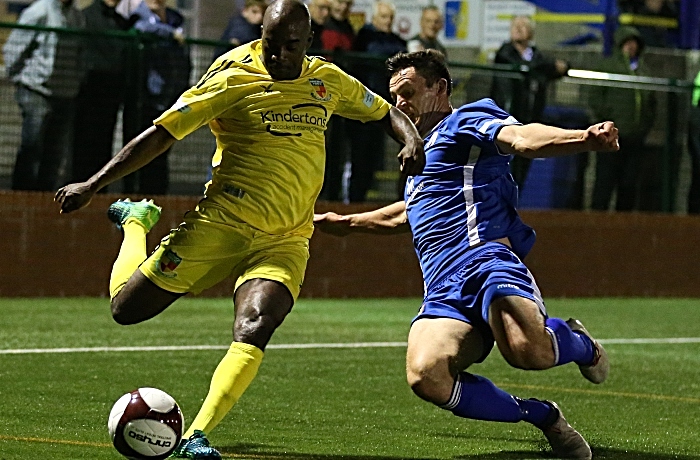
(146, 424)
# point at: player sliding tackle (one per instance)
(267, 104)
(470, 242)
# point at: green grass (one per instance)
(346, 403)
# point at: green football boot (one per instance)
(144, 212)
(196, 448)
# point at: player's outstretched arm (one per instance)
(388, 220)
(399, 126)
(136, 154)
(539, 141)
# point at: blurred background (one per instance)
(110, 76)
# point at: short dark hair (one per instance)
(429, 64)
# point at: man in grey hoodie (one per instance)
(47, 69)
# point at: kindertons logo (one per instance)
(168, 263)
(320, 92)
(300, 117)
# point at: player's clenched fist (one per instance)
(73, 196)
(603, 137)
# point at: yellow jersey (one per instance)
(270, 147)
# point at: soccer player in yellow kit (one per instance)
(268, 105)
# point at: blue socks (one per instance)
(569, 346)
(477, 398)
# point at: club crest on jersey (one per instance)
(320, 92)
(168, 263)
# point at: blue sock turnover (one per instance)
(569, 346)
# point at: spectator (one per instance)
(127, 7)
(319, 11)
(431, 24)
(338, 33)
(243, 27)
(653, 35)
(376, 38)
(167, 73)
(633, 111)
(524, 98)
(694, 149)
(46, 68)
(102, 92)
(367, 141)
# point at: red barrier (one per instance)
(577, 254)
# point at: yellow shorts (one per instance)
(211, 245)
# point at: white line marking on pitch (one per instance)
(293, 346)
(288, 346)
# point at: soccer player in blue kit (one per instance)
(470, 241)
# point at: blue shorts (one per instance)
(485, 274)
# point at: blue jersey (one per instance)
(465, 195)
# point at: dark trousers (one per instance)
(619, 171)
(337, 147)
(694, 151)
(97, 105)
(366, 154)
(46, 142)
(154, 178)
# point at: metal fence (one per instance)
(115, 99)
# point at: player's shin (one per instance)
(477, 398)
(568, 345)
(131, 254)
(231, 378)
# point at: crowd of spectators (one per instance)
(355, 151)
(70, 88)
(43, 68)
(67, 136)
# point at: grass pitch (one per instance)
(339, 403)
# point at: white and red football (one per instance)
(146, 424)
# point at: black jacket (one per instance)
(525, 98)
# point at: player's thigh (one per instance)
(203, 251)
(268, 284)
(518, 326)
(442, 346)
(140, 300)
(278, 258)
(438, 349)
(515, 318)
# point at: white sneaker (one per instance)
(565, 441)
(596, 372)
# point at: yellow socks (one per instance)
(131, 254)
(231, 378)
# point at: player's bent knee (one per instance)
(120, 313)
(133, 306)
(430, 383)
(256, 328)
